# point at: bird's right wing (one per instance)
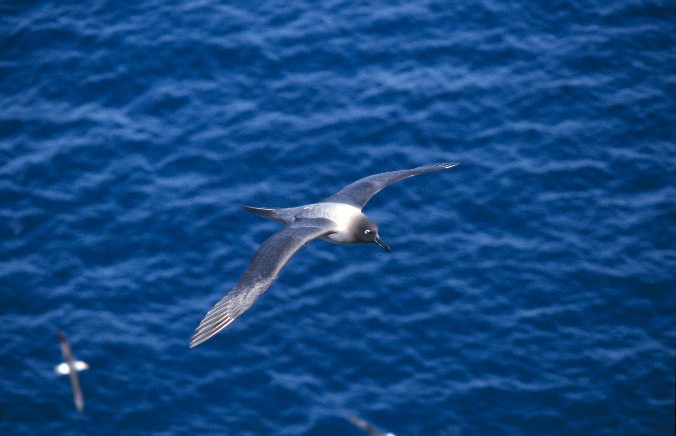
(263, 269)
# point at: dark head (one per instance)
(367, 231)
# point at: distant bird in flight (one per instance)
(337, 219)
(367, 427)
(71, 367)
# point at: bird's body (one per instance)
(64, 368)
(338, 218)
(342, 216)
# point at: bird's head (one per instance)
(367, 232)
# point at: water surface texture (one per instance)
(530, 290)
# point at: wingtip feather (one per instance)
(448, 165)
(209, 327)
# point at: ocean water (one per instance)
(530, 290)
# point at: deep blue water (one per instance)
(531, 290)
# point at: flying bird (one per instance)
(367, 427)
(337, 219)
(71, 367)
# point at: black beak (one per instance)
(382, 243)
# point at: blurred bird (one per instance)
(368, 427)
(71, 367)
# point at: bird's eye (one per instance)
(367, 231)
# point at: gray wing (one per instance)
(263, 269)
(78, 398)
(360, 192)
(365, 426)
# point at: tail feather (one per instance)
(265, 212)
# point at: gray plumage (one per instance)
(337, 219)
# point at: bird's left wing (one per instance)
(263, 269)
(360, 192)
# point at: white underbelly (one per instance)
(339, 213)
(336, 238)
